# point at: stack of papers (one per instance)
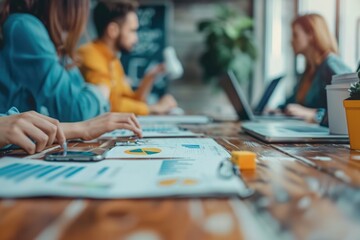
(160, 168)
(168, 119)
(201, 148)
(151, 131)
(115, 179)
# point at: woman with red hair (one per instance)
(312, 39)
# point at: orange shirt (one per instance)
(101, 66)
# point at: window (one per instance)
(342, 17)
(349, 34)
(279, 57)
(326, 8)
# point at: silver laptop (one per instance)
(296, 132)
(275, 129)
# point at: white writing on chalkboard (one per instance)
(146, 16)
(152, 34)
(148, 42)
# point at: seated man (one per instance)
(117, 24)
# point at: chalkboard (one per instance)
(154, 20)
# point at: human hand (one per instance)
(165, 104)
(168, 100)
(31, 131)
(107, 122)
(157, 70)
(296, 110)
(275, 111)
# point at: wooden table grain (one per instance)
(302, 191)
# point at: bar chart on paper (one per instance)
(22, 172)
(171, 167)
(111, 179)
(45, 173)
(41, 177)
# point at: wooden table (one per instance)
(303, 191)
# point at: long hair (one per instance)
(315, 25)
(65, 20)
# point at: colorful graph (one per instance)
(178, 181)
(171, 167)
(143, 151)
(21, 172)
(191, 146)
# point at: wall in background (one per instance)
(184, 35)
(191, 93)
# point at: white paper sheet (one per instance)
(168, 119)
(115, 178)
(150, 131)
(170, 148)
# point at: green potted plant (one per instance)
(352, 108)
(229, 45)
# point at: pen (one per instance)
(65, 148)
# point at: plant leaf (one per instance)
(204, 25)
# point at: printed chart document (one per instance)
(170, 148)
(151, 131)
(116, 179)
(168, 119)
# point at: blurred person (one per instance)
(312, 39)
(117, 24)
(38, 61)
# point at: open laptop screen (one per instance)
(236, 96)
(238, 99)
(267, 95)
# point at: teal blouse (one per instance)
(11, 111)
(316, 96)
(32, 77)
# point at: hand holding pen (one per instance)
(31, 131)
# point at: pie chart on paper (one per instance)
(143, 151)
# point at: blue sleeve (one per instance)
(35, 64)
(11, 111)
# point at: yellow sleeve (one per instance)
(129, 105)
(124, 100)
(94, 68)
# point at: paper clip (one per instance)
(65, 148)
(227, 170)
